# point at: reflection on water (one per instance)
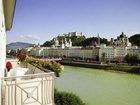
(98, 87)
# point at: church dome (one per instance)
(122, 35)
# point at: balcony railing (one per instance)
(32, 89)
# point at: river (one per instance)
(98, 87)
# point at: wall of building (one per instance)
(108, 51)
(120, 53)
(2, 40)
(74, 52)
(134, 51)
(113, 53)
(2, 43)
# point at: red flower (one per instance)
(9, 65)
(22, 57)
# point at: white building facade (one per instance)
(85, 53)
(6, 18)
(2, 39)
(117, 53)
(106, 52)
(134, 50)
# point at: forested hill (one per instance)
(135, 39)
(90, 41)
(77, 41)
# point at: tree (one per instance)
(135, 59)
(65, 98)
(77, 40)
(105, 41)
(48, 43)
(89, 41)
(12, 52)
(132, 59)
(103, 56)
(135, 39)
(128, 58)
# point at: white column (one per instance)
(2, 44)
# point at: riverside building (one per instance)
(117, 50)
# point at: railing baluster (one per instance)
(8, 95)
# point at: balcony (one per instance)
(34, 88)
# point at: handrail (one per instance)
(30, 75)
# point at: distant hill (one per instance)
(17, 45)
(135, 39)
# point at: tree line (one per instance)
(77, 41)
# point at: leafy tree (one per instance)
(105, 41)
(48, 43)
(12, 52)
(132, 59)
(87, 42)
(103, 56)
(135, 59)
(128, 58)
(78, 40)
(135, 39)
(65, 98)
(90, 41)
(60, 38)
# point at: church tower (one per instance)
(98, 39)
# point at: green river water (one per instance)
(98, 87)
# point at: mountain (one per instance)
(17, 45)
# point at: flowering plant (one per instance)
(50, 65)
(9, 65)
(22, 57)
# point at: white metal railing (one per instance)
(33, 89)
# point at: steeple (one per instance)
(62, 45)
(70, 42)
(98, 39)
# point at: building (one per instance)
(134, 50)
(6, 20)
(32, 90)
(106, 52)
(7, 8)
(117, 53)
(122, 40)
(75, 52)
(75, 34)
(62, 44)
(120, 53)
(117, 50)
(112, 53)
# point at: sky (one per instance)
(36, 21)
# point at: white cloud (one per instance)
(29, 37)
(34, 39)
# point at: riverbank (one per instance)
(115, 68)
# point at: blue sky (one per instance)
(36, 21)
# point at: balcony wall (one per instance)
(34, 88)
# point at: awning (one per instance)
(9, 9)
